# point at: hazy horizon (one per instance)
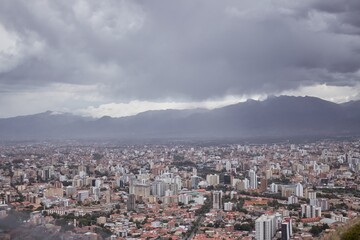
(177, 106)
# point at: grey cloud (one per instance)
(347, 13)
(185, 50)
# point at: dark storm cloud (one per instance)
(184, 49)
(346, 14)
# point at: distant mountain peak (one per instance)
(58, 113)
(276, 116)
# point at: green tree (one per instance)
(352, 234)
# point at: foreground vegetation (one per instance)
(352, 233)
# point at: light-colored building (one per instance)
(213, 179)
(299, 190)
(253, 179)
(265, 227)
(228, 206)
(309, 211)
(83, 195)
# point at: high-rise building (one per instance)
(293, 199)
(228, 206)
(217, 199)
(93, 182)
(268, 174)
(131, 202)
(213, 179)
(309, 211)
(253, 179)
(323, 203)
(140, 190)
(158, 188)
(46, 173)
(286, 229)
(98, 183)
(178, 181)
(312, 197)
(263, 185)
(174, 188)
(274, 188)
(299, 190)
(227, 178)
(228, 165)
(265, 227)
(288, 190)
(246, 183)
(82, 195)
(185, 198)
(195, 180)
(70, 190)
(96, 193)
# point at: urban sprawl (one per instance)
(77, 190)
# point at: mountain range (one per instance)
(282, 116)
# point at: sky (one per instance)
(121, 57)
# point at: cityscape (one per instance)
(75, 190)
(180, 120)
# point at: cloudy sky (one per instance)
(118, 57)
